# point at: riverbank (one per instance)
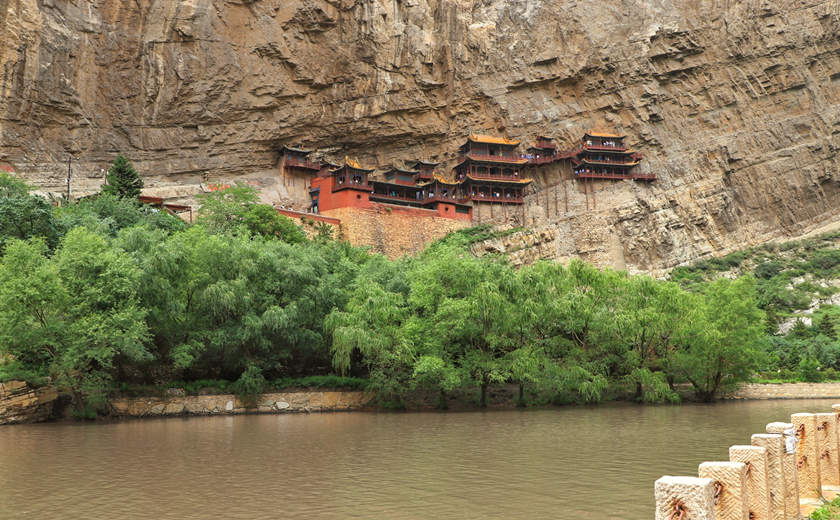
(21, 404)
(229, 404)
(787, 391)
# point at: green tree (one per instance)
(726, 343)
(11, 186)
(224, 210)
(122, 180)
(27, 216)
(73, 315)
(262, 219)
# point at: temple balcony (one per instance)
(491, 158)
(354, 184)
(542, 160)
(605, 147)
(297, 162)
(490, 177)
(397, 199)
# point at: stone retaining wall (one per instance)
(786, 391)
(21, 404)
(287, 402)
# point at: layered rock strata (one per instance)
(733, 103)
(19, 403)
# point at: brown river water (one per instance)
(561, 463)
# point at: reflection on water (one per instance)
(563, 463)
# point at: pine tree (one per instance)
(123, 180)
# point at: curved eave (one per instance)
(489, 139)
(605, 135)
(444, 181)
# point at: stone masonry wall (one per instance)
(393, 230)
(787, 391)
(285, 402)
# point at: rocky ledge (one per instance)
(289, 402)
(20, 403)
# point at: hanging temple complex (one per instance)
(401, 208)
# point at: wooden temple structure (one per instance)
(490, 170)
(543, 151)
(604, 155)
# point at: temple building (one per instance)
(490, 170)
(603, 155)
(345, 186)
(296, 170)
(298, 159)
(426, 168)
(350, 186)
(543, 151)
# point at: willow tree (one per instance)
(73, 315)
(727, 342)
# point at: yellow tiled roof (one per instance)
(443, 181)
(354, 163)
(595, 133)
(478, 138)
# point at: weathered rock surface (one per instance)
(20, 403)
(288, 402)
(734, 104)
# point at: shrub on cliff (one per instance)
(122, 180)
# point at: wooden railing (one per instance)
(494, 177)
(349, 183)
(542, 160)
(490, 158)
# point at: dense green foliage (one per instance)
(123, 181)
(113, 296)
(797, 284)
(829, 511)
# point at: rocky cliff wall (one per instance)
(733, 103)
(20, 404)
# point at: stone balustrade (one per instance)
(783, 474)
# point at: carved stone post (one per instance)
(807, 455)
(730, 481)
(827, 448)
(758, 493)
(692, 497)
(775, 446)
(788, 468)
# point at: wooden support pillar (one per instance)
(827, 447)
(807, 455)
(788, 468)
(565, 194)
(730, 481)
(775, 446)
(693, 497)
(759, 494)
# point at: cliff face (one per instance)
(733, 103)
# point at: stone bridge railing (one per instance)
(782, 475)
